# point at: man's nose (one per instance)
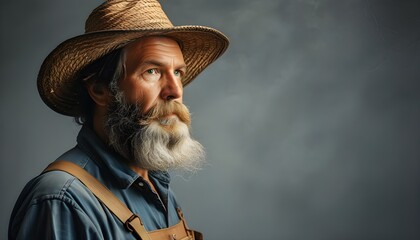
(172, 88)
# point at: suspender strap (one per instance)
(132, 221)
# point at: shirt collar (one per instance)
(162, 176)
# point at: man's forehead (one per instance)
(152, 47)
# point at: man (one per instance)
(123, 81)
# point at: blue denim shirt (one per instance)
(55, 205)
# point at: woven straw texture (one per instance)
(110, 26)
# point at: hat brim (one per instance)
(57, 78)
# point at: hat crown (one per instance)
(127, 15)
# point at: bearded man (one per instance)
(123, 81)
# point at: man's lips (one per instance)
(169, 116)
(168, 119)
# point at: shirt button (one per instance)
(141, 184)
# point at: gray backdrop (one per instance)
(310, 119)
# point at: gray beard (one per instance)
(151, 146)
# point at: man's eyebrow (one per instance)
(159, 64)
(152, 62)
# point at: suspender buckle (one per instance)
(129, 220)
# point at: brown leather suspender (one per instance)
(132, 221)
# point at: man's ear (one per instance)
(99, 94)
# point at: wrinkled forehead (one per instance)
(155, 48)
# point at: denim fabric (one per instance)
(55, 205)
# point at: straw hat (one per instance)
(111, 26)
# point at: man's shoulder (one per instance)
(54, 185)
(53, 196)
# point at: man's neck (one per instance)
(141, 172)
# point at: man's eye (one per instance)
(152, 74)
(178, 73)
(152, 71)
